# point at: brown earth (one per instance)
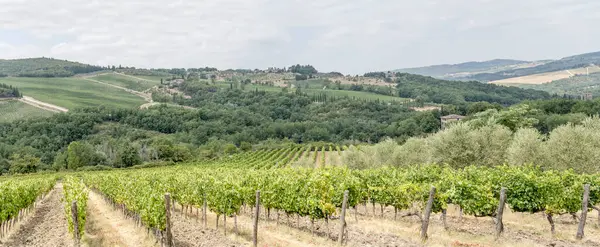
(107, 227)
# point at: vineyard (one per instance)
(304, 206)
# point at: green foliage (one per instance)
(74, 190)
(20, 193)
(8, 91)
(44, 67)
(514, 117)
(459, 92)
(80, 154)
(526, 147)
(24, 163)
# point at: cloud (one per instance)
(351, 36)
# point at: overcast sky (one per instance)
(350, 36)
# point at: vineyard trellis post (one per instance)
(168, 220)
(256, 214)
(425, 223)
(499, 224)
(343, 218)
(75, 223)
(584, 209)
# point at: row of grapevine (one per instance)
(75, 191)
(19, 195)
(318, 192)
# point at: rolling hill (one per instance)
(566, 63)
(448, 70)
(44, 67)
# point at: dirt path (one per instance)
(42, 105)
(46, 227)
(108, 227)
(145, 96)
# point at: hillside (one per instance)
(574, 86)
(566, 63)
(542, 78)
(429, 89)
(446, 70)
(73, 92)
(44, 67)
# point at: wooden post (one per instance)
(425, 223)
(499, 212)
(343, 218)
(444, 212)
(75, 223)
(168, 220)
(256, 214)
(204, 211)
(551, 221)
(235, 228)
(584, 209)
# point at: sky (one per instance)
(348, 36)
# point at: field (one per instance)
(11, 110)
(126, 81)
(547, 77)
(211, 204)
(576, 85)
(73, 92)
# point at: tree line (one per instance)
(8, 91)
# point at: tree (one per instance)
(128, 156)
(24, 163)
(79, 154)
(526, 147)
(245, 146)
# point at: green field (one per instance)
(127, 82)
(11, 110)
(73, 92)
(155, 79)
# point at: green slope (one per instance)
(444, 69)
(44, 67)
(73, 92)
(11, 110)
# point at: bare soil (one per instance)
(188, 231)
(107, 227)
(46, 227)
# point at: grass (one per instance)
(11, 110)
(155, 79)
(73, 92)
(127, 82)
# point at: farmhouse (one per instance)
(450, 118)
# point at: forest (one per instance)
(45, 67)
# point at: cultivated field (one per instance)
(127, 81)
(547, 77)
(73, 92)
(11, 110)
(211, 204)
